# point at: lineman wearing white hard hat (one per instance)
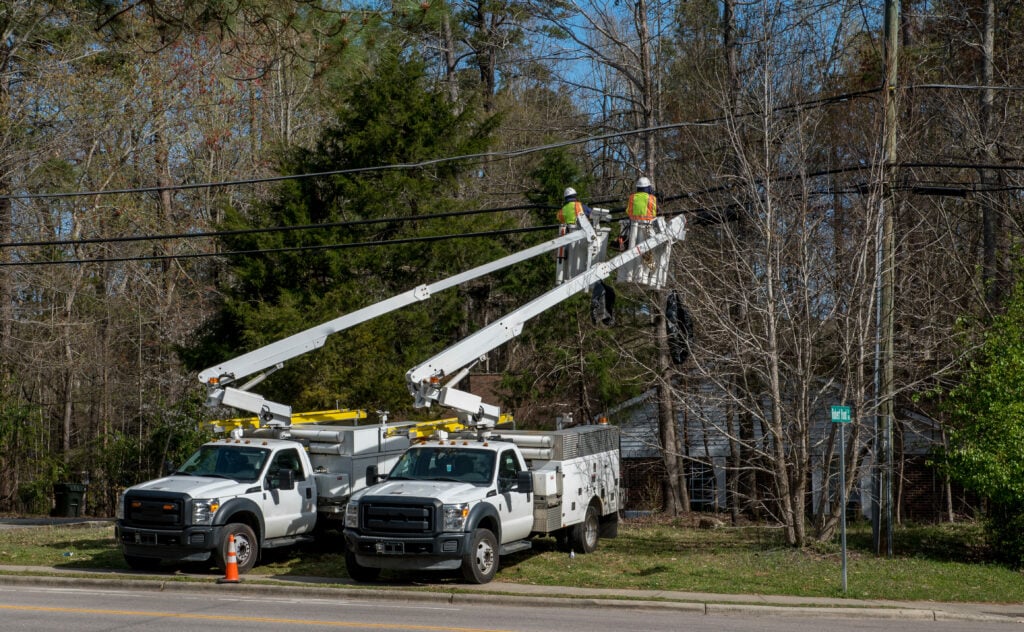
(571, 207)
(642, 205)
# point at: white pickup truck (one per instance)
(461, 503)
(267, 488)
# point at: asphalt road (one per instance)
(71, 607)
(675, 604)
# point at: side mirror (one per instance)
(286, 479)
(524, 482)
(372, 477)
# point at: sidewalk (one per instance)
(500, 592)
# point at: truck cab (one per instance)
(262, 491)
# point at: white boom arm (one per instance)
(271, 357)
(424, 380)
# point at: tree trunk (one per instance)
(674, 501)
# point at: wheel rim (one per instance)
(484, 557)
(243, 549)
(591, 532)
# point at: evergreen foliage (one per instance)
(393, 117)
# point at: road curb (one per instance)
(273, 587)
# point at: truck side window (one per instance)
(508, 467)
(287, 460)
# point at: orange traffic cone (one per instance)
(231, 570)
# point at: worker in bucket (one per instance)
(642, 205)
(641, 209)
(571, 209)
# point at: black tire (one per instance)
(480, 561)
(137, 563)
(357, 572)
(585, 534)
(247, 547)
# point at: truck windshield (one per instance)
(430, 463)
(241, 463)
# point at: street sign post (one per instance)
(841, 416)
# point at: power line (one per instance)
(483, 156)
(274, 229)
(487, 156)
(947, 188)
(955, 86)
(360, 244)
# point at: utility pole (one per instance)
(883, 519)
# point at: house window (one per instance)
(703, 485)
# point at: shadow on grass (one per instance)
(650, 571)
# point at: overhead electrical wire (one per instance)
(701, 216)
(957, 189)
(502, 155)
(346, 246)
(272, 229)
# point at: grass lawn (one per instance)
(936, 562)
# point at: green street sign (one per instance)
(840, 414)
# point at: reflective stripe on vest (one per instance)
(568, 213)
(642, 207)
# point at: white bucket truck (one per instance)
(266, 486)
(461, 501)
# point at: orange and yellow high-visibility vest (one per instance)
(642, 207)
(568, 213)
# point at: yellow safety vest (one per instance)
(568, 213)
(642, 207)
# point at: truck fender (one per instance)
(486, 514)
(226, 515)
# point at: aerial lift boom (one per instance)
(454, 363)
(268, 359)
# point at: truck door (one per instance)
(288, 511)
(514, 507)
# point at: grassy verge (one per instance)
(937, 563)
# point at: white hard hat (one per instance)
(643, 183)
(569, 191)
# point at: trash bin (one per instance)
(68, 499)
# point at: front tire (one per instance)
(247, 547)
(480, 561)
(357, 572)
(585, 534)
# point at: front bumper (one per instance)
(441, 552)
(188, 544)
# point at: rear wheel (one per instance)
(247, 547)
(480, 561)
(357, 571)
(584, 534)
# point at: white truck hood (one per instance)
(195, 486)
(445, 491)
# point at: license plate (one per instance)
(142, 537)
(390, 548)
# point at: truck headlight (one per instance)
(204, 509)
(352, 515)
(455, 517)
(119, 510)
